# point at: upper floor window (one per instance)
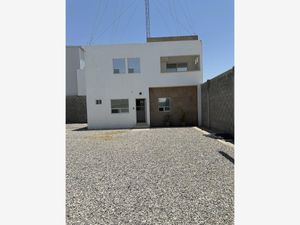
(133, 65)
(119, 65)
(177, 67)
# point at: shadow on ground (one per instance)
(227, 156)
(136, 128)
(221, 136)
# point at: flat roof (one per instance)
(173, 38)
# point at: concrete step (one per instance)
(141, 125)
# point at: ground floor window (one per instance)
(119, 105)
(164, 104)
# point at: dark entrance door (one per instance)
(140, 110)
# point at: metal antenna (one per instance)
(147, 15)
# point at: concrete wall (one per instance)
(75, 77)
(76, 109)
(182, 100)
(103, 84)
(72, 64)
(217, 96)
(75, 85)
(81, 86)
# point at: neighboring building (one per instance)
(152, 84)
(75, 85)
(75, 80)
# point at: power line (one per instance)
(161, 15)
(173, 16)
(129, 20)
(115, 20)
(115, 11)
(179, 21)
(188, 18)
(100, 20)
(96, 18)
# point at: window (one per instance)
(119, 65)
(133, 65)
(119, 106)
(171, 67)
(164, 104)
(81, 64)
(182, 67)
(177, 67)
(98, 101)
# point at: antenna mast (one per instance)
(147, 15)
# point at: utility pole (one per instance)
(147, 15)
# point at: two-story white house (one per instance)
(151, 84)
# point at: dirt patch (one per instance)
(106, 136)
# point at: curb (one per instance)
(219, 140)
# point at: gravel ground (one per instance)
(148, 176)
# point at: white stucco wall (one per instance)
(102, 84)
(75, 78)
(81, 86)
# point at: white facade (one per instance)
(102, 84)
(75, 78)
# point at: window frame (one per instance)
(113, 65)
(119, 108)
(139, 64)
(177, 66)
(165, 106)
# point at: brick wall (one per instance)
(217, 97)
(76, 109)
(183, 100)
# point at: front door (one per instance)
(140, 110)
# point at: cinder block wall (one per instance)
(76, 109)
(217, 97)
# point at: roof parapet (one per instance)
(173, 38)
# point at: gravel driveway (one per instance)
(148, 176)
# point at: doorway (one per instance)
(140, 110)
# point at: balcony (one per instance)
(186, 63)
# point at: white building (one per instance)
(75, 79)
(153, 84)
(75, 85)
